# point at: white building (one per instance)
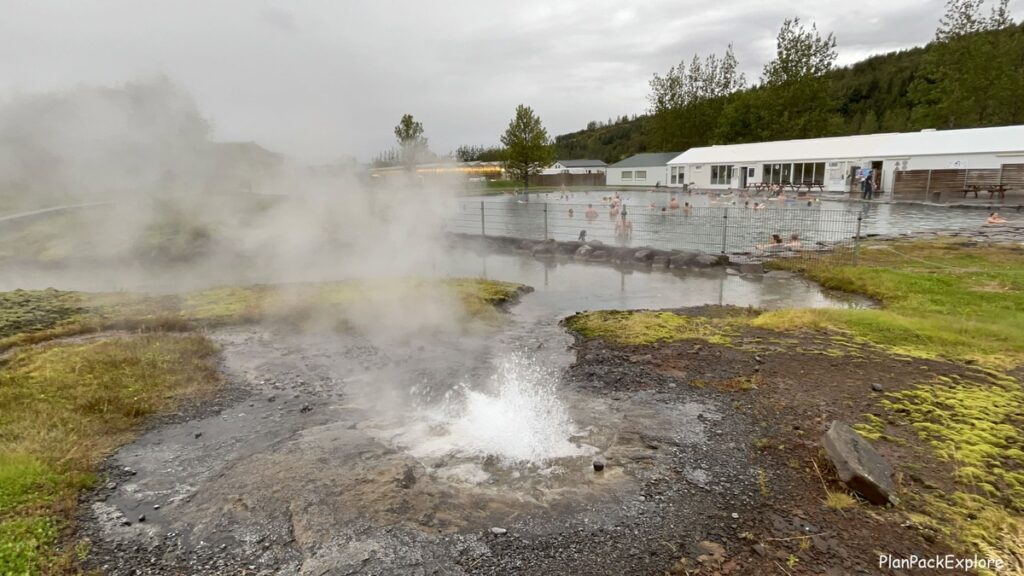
(833, 162)
(576, 167)
(650, 169)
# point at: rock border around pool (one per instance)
(598, 251)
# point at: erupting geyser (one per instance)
(517, 418)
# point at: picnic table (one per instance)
(992, 190)
(809, 185)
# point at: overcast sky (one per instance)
(323, 79)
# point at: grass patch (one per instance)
(32, 316)
(649, 327)
(839, 501)
(67, 407)
(937, 300)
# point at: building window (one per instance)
(627, 174)
(674, 178)
(641, 174)
(795, 173)
(721, 174)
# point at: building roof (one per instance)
(892, 145)
(648, 159)
(582, 163)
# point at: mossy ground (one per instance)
(946, 300)
(67, 407)
(67, 404)
(31, 316)
(648, 327)
(940, 299)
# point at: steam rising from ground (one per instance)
(182, 212)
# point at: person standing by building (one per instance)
(866, 188)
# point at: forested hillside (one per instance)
(970, 75)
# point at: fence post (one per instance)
(725, 227)
(545, 220)
(483, 228)
(928, 185)
(856, 241)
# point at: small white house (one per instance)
(650, 169)
(576, 167)
(833, 163)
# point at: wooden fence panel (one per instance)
(910, 182)
(983, 177)
(1013, 176)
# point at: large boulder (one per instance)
(858, 464)
(599, 255)
(706, 261)
(545, 248)
(583, 252)
(621, 255)
(595, 244)
(643, 255)
(570, 247)
(682, 258)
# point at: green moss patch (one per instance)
(649, 327)
(67, 407)
(31, 316)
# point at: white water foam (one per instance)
(518, 418)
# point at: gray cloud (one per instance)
(320, 79)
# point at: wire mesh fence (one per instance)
(767, 232)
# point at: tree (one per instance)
(800, 54)
(799, 103)
(527, 146)
(411, 141)
(687, 101)
(973, 75)
(479, 153)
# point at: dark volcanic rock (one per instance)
(545, 248)
(706, 260)
(858, 465)
(643, 255)
(569, 247)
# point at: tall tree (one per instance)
(687, 101)
(974, 73)
(411, 141)
(527, 146)
(798, 101)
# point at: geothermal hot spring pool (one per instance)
(442, 452)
